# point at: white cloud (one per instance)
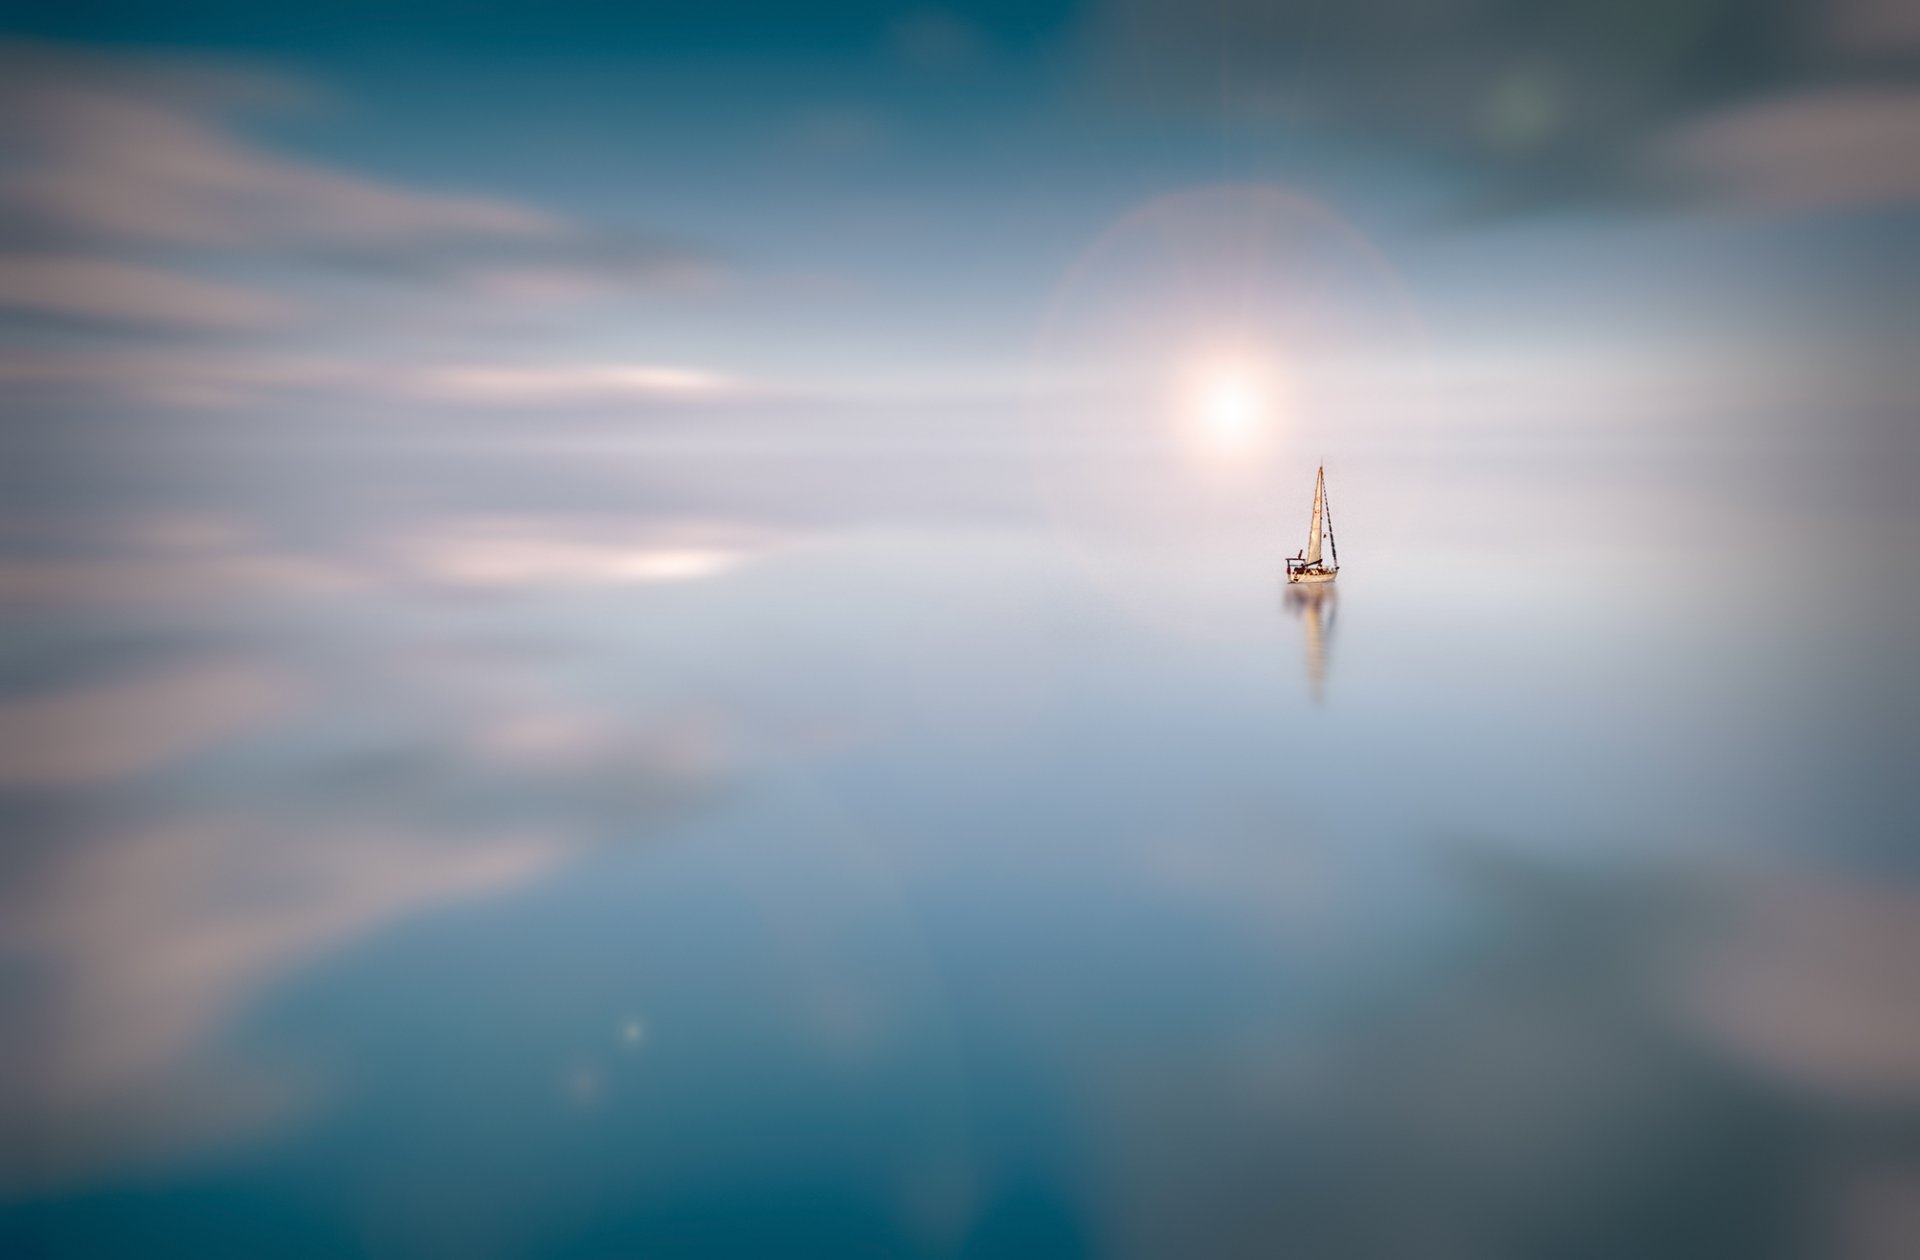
(177, 559)
(102, 732)
(1816, 150)
(1873, 27)
(189, 562)
(517, 552)
(120, 581)
(102, 154)
(104, 288)
(560, 382)
(195, 377)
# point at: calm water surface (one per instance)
(510, 879)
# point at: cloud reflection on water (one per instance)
(151, 938)
(1557, 1072)
(101, 732)
(195, 832)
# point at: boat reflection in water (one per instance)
(1316, 607)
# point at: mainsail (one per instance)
(1319, 508)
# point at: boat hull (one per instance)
(1311, 577)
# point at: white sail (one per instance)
(1313, 530)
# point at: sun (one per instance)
(1229, 404)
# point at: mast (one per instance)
(1327, 508)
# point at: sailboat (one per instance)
(1307, 566)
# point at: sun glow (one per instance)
(1229, 405)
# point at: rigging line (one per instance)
(1326, 506)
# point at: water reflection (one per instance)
(1552, 1074)
(156, 935)
(368, 912)
(233, 780)
(1316, 607)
